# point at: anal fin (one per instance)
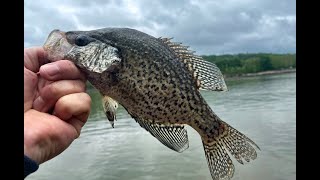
(174, 136)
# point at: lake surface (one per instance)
(263, 108)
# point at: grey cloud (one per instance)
(208, 27)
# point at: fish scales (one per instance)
(157, 81)
(145, 100)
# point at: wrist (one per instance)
(30, 166)
(34, 141)
(33, 154)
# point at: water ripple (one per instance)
(263, 108)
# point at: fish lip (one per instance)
(54, 34)
(56, 45)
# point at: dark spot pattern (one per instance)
(159, 88)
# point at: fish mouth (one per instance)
(57, 45)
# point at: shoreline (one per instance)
(247, 75)
(282, 71)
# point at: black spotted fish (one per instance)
(158, 82)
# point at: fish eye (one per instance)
(81, 40)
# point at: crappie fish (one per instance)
(158, 82)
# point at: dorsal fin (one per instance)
(206, 74)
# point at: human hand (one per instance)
(55, 105)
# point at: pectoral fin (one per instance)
(110, 106)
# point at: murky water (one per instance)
(263, 108)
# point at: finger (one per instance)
(74, 108)
(34, 57)
(50, 94)
(43, 82)
(46, 136)
(59, 70)
(30, 86)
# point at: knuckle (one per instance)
(64, 105)
(77, 86)
(87, 99)
(68, 66)
(50, 91)
(65, 64)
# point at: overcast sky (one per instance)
(207, 26)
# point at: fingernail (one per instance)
(38, 104)
(51, 69)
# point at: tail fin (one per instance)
(219, 162)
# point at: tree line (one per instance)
(232, 65)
